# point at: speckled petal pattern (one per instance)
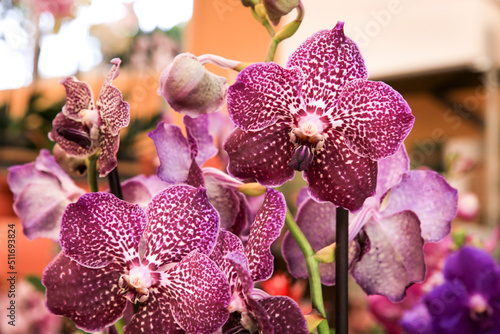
(265, 230)
(114, 112)
(109, 147)
(395, 259)
(155, 316)
(100, 229)
(262, 94)
(263, 155)
(317, 222)
(328, 60)
(339, 176)
(180, 219)
(285, 315)
(78, 97)
(373, 118)
(432, 199)
(174, 163)
(75, 291)
(198, 128)
(70, 146)
(198, 293)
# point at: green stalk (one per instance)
(92, 173)
(259, 13)
(312, 269)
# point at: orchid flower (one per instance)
(83, 128)
(318, 115)
(174, 284)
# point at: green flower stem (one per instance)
(259, 13)
(312, 269)
(92, 173)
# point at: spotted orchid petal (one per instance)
(109, 147)
(328, 60)
(72, 291)
(395, 259)
(373, 118)
(180, 220)
(262, 94)
(432, 199)
(339, 176)
(175, 163)
(73, 136)
(114, 112)
(263, 155)
(197, 128)
(198, 294)
(100, 229)
(391, 170)
(317, 222)
(265, 230)
(78, 97)
(227, 250)
(285, 315)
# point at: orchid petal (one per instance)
(262, 94)
(180, 219)
(46, 163)
(285, 315)
(71, 146)
(339, 176)
(100, 229)
(391, 170)
(141, 189)
(225, 200)
(173, 151)
(78, 97)
(373, 118)
(395, 259)
(198, 129)
(328, 60)
(75, 291)
(109, 147)
(432, 199)
(263, 155)
(265, 230)
(198, 293)
(114, 112)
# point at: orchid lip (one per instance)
(79, 137)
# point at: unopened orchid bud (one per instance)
(277, 8)
(190, 89)
(249, 3)
(252, 189)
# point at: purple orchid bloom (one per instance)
(42, 190)
(254, 310)
(318, 115)
(82, 127)
(408, 209)
(173, 282)
(181, 159)
(468, 301)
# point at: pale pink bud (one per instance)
(190, 89)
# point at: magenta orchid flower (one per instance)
(82, 127)
(174, 284)
(318, 115)
(42, 190)
(387, 234)
(253, 309)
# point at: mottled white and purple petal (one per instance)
(432, 199)
(285, 315)
(373, 118)
(173, 151)
(265, 229)
(226, 243)
(391, 170)
(100, 229)
(180, 220)
(395, 259)
(264, 93)
(261, 316)
(87, 296)
(109, 145)
(317, 222)
(328, 60)
(198, 294)
(155, 316)
(73, 136)
(114, 112)
(198, 129)
(78, 97)
(263, 155)
(340, 176)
